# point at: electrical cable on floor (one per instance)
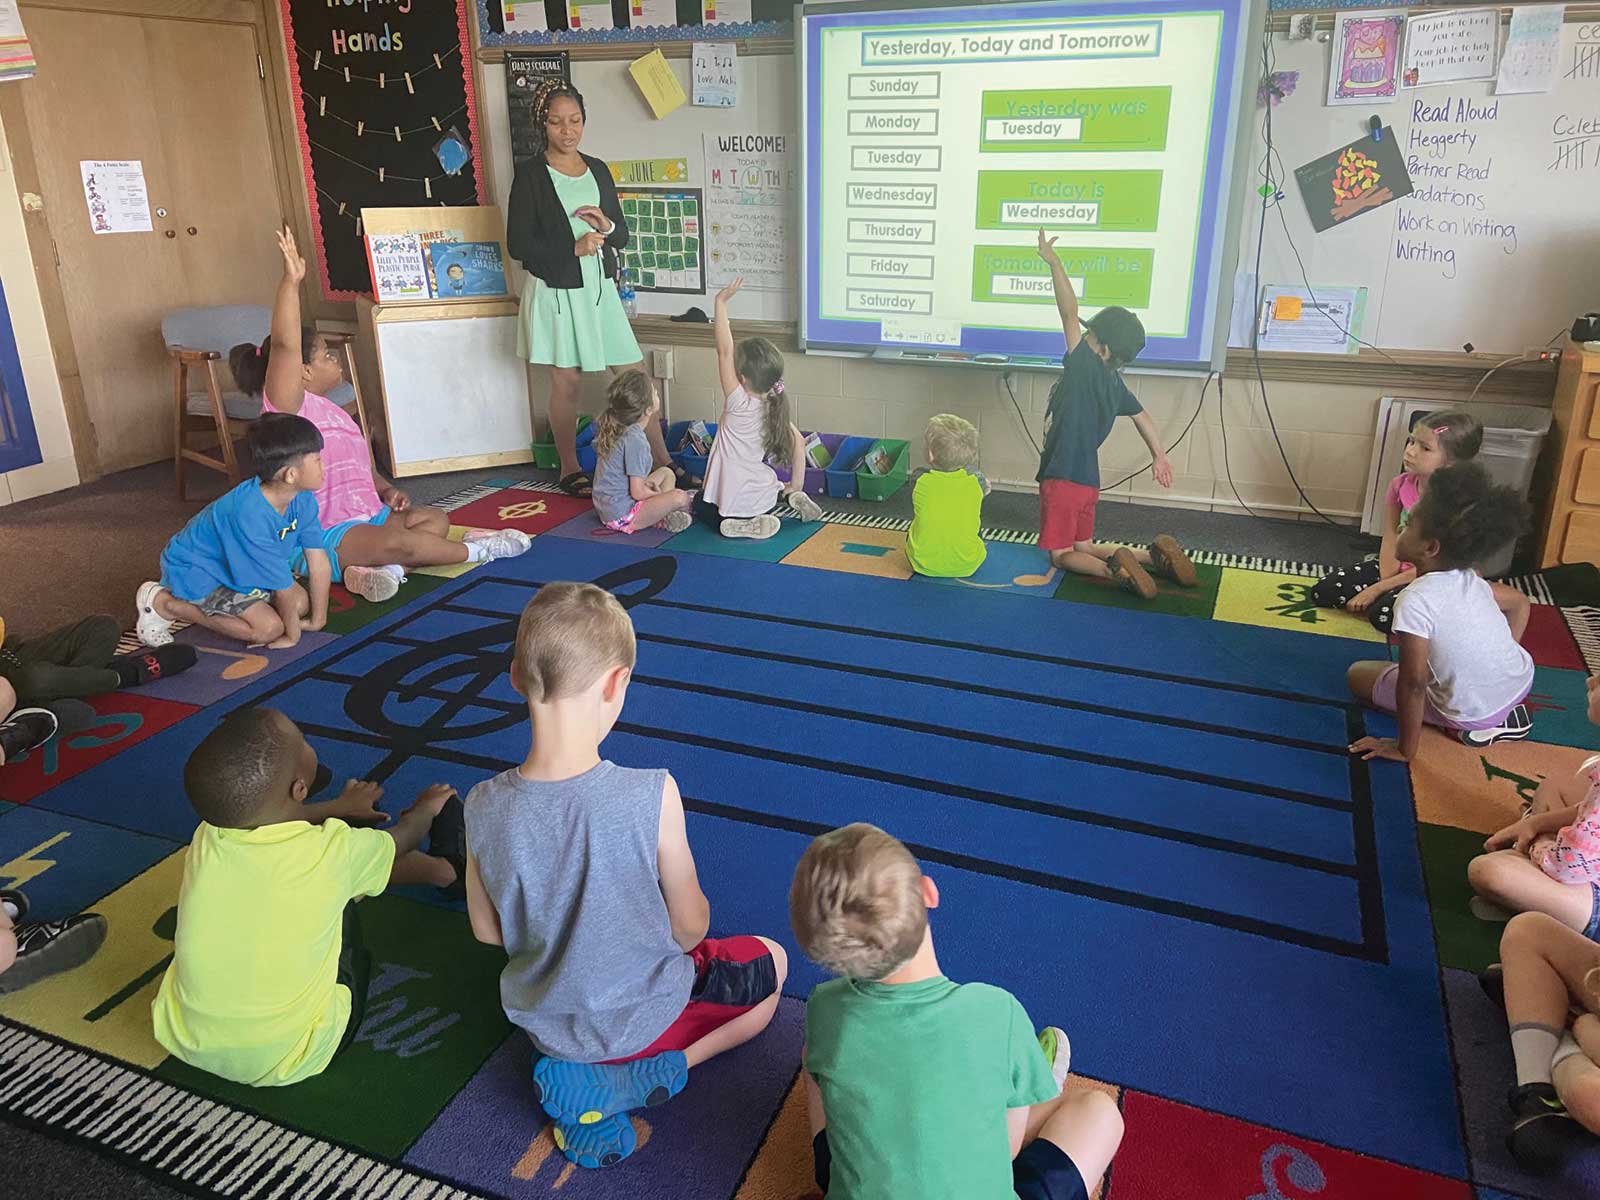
(1198, 408)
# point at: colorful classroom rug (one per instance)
(1142, 819)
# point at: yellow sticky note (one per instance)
(1286, 308)
(660, 86)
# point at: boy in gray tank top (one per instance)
(581, 869)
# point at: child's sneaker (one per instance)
(1057, 1052)
(602, 1143)
(16, 903)
(1130, 576)
(51, 947)
(501, 543)
(1517, 726)
(584, 1093)
(24, 730)
(1167, 558)
(676, 522)
(153, 629)
(1543, 1135)
(373, 584)
(805, 507)
(447, 839)
(758, 528)
(147, 665)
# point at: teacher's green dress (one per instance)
(576, 327)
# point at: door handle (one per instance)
(193, 231)
(172, 233)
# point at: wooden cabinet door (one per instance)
(184, 98)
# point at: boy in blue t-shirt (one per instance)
(228, 570)
(1084, 405)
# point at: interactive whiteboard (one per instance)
(938, 140)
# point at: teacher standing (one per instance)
(565, 225)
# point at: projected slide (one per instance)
(939, 141)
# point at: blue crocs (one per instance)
(585, 1093)
(602, 1143)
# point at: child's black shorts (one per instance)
(1041, 1172)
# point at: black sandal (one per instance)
(685, 481)
(578, 484)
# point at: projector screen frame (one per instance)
(1224, 228)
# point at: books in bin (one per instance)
(879, 460)
(816, 453)
(697, 439)
(468, 269)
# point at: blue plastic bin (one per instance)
(816, 477)
(841, 475)
(691, 462)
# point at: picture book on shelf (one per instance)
(698, 438)
(467, 269)
(879, 460)
(398, 268)
(429, 239)
(816, 453)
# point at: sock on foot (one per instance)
(1565, 1049)
(1534, 1046)
(476, 552)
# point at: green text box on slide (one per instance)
(1075, 119)
(1109, 201)
(1109, 275)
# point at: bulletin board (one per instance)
(770, 18)
(375, 90)
(666, 243)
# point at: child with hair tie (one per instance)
(628, 494)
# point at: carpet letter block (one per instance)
(1284, 602)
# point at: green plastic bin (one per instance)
(881, 487)
(545, 456)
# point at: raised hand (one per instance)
(294, 267)
(1047, 248)
(729, 292)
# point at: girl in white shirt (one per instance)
(1460, 667)
(741, 489)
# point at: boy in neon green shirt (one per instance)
(947, 503)
(268, 979)
(917, 1085)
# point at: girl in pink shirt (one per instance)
(372, 531)
(1550, 860)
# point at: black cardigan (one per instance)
(539, 233)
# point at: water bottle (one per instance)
(630, 302)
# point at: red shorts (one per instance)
(731, 976)
(1066, 513)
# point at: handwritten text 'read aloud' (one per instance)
(1449, 213)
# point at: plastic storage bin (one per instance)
(881, 487)
(545, 456)
(691, 462)
(816, 477)
(1513, 439)
(841, 476)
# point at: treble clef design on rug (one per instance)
(1301, 1171)
(464, 667)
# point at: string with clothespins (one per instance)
(435, 125)
(383, 78)
(384, 175)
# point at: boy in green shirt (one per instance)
(915, 1085)
(268, 979)
(947, 503)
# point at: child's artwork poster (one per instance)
(1366, 57)
(750, 196)
(1355, 179)
(1451, 47)
(468, 269)
(398, 270)
(375, 86)
(1528, 61)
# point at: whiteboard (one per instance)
(1500, 248)
(454, 388)
(620, 126)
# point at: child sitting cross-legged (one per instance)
(741, 492)
(581, 869)
(373, 531)
(628, 494)
(947, 502)
(1549, 861)
(268, 980)
(916, 1085)
(1460, 667)
(228, 569)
